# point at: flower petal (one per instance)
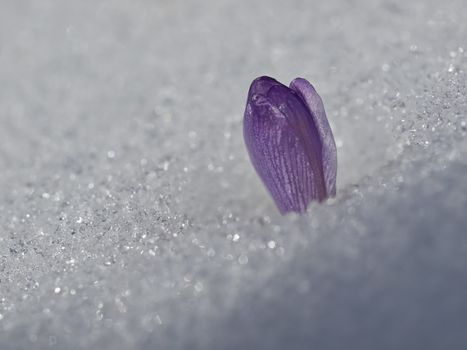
(300, 120)
(313, 101)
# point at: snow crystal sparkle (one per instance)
(290, 142)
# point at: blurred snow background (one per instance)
(130, 216)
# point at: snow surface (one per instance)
(131, 217)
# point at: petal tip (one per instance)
(302, 86)
(261, 86)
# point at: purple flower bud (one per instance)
(290, 142)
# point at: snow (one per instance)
(131, 217)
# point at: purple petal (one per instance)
(329, 152)
(284, 145)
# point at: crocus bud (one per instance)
(290, 142)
